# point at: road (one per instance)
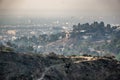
(53, 66)
(47, 69)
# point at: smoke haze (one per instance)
(61, 7)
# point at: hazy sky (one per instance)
(60, 7)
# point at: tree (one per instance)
(101, 24)
(108, 26)
(52, 55)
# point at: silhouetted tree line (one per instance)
(97, 30)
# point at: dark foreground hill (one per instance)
(19, 66)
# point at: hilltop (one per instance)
(28, 66)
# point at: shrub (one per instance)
(52, 55)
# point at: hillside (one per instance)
(19, 66)
(94, 39)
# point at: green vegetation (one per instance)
(118, 57)
(114, 46)
(21, 66)
(6, 49)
